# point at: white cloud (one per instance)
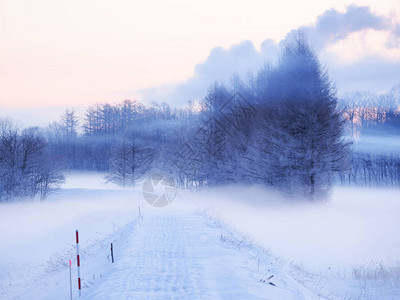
(358, 45)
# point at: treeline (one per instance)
(89, 143)
(367, 112)
(372, 170)
(27, 168)
(280, 127)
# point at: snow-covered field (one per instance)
(217, 244)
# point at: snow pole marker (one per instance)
(112, 254)
(70, 279)
(78, 262)
(140, 213)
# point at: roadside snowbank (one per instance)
(356, 227)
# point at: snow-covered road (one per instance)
(180, 256)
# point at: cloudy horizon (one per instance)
(93, 54)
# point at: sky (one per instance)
(56, 54)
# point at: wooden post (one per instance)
(78, 263)
(112, 254)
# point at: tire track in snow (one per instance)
(182, 257)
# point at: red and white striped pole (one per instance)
(78, 263)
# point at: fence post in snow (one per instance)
(112, 254)
(140, 213)
(78, 263)
(70, 279)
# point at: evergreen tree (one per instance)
(307, 129)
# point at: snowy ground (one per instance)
(217, 244)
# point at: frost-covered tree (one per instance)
(10, 172)
(26, 167)
(306, 129)
(210, 138)
(69, 123)
(129, 161)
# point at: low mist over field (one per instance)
(355, 232)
